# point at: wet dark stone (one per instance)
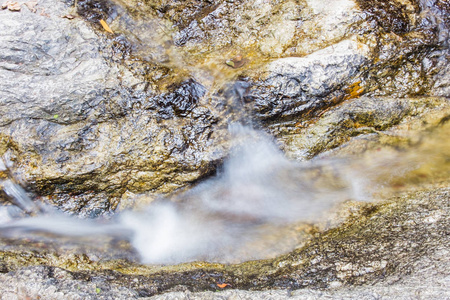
(443, 7)
(389, 15)
(302, 87)
(95, 10)
(121, 47)
(3, 268)
(181, 99)
(182, 13)
(144, 292)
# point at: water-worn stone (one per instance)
(385, 242)
(370, 117)
(298, 85)
(85, 131)
(72, 96)
(392, 48)
(397, 48)
(416, 283)
(382, 242)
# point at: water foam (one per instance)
(255, 197)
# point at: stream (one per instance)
(279, 146)
(247, 211)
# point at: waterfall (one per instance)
(244, 212)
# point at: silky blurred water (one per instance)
(257, 206)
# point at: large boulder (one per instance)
(85, 130)
(93, 117)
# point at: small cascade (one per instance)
(257, 198)
(259, 205)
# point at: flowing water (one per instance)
(257, 206)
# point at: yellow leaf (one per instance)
(105, 26)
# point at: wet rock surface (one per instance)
(370, 118)
(85, 131)
(380, 246)
(298, 86)
(90, 118)
(371, 58)
(144, 109)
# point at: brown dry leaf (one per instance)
(31, 6)
(222, 285)
(105, 26)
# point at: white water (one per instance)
(255, 196)
(224, 218)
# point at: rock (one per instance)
(379, 244)
(373, 58)
(85, 132)
(388, 243)
(392, 288)
(269, 28)
(296, 86)
(45, 283)
(85, 94)
(369, 117)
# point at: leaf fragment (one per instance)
(12, 6)
(236, 62)
(105, 26)
(230, 63)
(69, 17)
(222, 285)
